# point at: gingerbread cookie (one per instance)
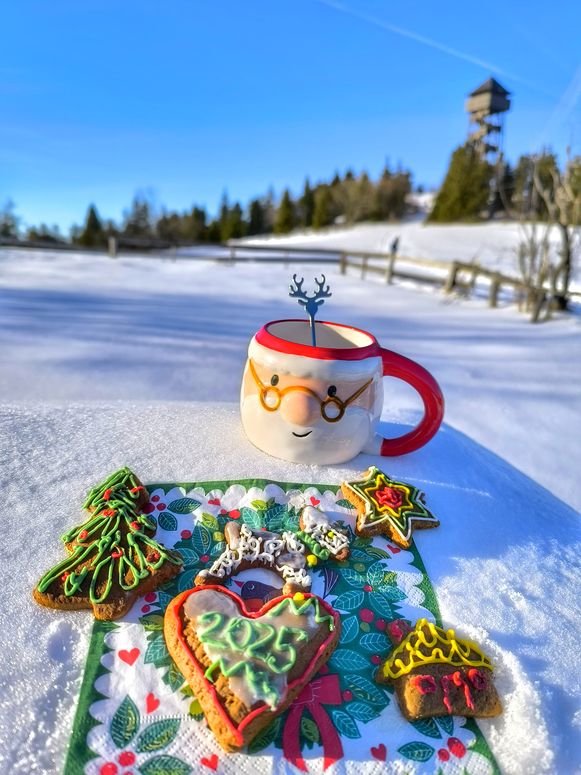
(437, 674)
(387, 507)
(113, 558)
(245, 668)
(287, 554)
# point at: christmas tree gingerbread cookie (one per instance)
(387, 507)
(112, 556)
(435, 673)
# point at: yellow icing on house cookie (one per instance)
(428, 644)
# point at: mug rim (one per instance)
(271, 341)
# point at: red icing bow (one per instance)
(321, 691)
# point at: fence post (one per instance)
(112, 246)
(343, 263)
(364, 260)
(493, 290)
(389, 268)
(451, 281)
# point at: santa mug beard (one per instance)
(321, 404)
(319, 442)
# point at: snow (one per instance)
(110, 362)
(493, 245)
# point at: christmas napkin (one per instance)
(136, 715)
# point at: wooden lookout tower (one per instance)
(485, 107)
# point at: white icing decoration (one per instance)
(284, 553)
(207, 600)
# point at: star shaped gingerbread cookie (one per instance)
(387, 507)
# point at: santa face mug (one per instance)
(322, 404)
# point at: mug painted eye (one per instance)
(274, 380)
(332, 391)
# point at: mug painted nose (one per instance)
(300, 408)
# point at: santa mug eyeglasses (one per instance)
(321, 404)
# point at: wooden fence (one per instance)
(452, 276)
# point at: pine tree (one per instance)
(466, 188)
(139, 219)
(224, 218)
(236, 223)
(285, 215)
(307, 204)
(256, 217)
(8, 221)
(323, 203)
(92, 235)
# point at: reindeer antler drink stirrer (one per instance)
(310, 303)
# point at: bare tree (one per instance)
(563, 202)
(545, 201)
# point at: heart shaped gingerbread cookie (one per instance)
(244, 667)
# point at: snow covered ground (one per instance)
(100, 361)
(85, 327)
(493, 245)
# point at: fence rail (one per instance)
(450, 275)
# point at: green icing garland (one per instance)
(263, 649)
(112, 542)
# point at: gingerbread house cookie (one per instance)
(435, 673)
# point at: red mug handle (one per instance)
(395, 365)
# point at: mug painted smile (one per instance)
(301, 435)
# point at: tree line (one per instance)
(347, 200)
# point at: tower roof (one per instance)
(491, 86)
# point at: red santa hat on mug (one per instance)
(342, 352)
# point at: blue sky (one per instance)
(186, 99)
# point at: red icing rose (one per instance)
(388, 496)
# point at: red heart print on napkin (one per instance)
(212, 762)
(129, 657)
(151, 702)
(379, 752)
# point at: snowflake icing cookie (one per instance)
(288, 554)
(436, 673)
(387, 507)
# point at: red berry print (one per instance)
(366, 615)
(148, 508)
(146, 609)
(204, 558)
(376, 659)
(155, 498)
(185, 534)
(161, 506)
(456, 747)
(214, 502)
(222, 511)
(126, 759)
(443, 755)
(109, 769)
(381, 624)
(347, 695)
(368, 588)
(235, 514)
(150, 597)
